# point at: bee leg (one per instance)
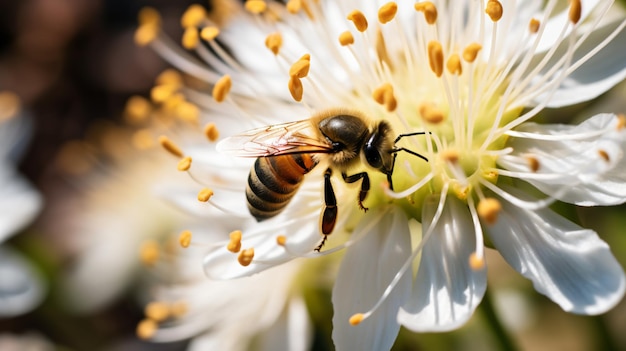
(328, 217)
(365, 185)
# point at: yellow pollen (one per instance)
(142, 139)
(356, 318)
(137, 109)
(149, 252)
(494, 10)
(245, 257)
(160, 93)
(273, 42)
(384, 96)
(205, 194)
(256, 6)
(429, 9)
(211, 132)
(431, 113)
(209, 33)
(390, 101)
(191, 38)
(621, 122)
(179, 309)
(491, 175)
(450, 156)
(222, 88)
(346, 38)
(281, 240)
(170, 105)
(295, 88)
(157, 311)
(307, 9)
(435, 57)
(533, 163)
(476, 263)
(171, 77)
(471, 52)
(145, 34)
(150, 16)
(461, 191)
(575, 10)
(300, 69)
(146, 329)
(387, 12)
(294, 6)
(234, 245)
(193, 16)
(187, 111)
(170, 147)
(604, 155)
(454, 65)
(488, 210)
(358, 18)
(184, 164)
(533, 25)
(184, 239)
(9, 105)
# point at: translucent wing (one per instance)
(279, 139)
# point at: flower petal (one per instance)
(367, 269)
(19, 202)
(446, 290)
(21, 286)
(569, 264)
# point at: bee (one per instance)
(343, 139)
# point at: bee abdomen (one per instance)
(273, 181)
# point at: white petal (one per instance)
(292, 331)
(19, 202)
(446, 290)
(21, 286)
(569, 264)
(366, 270)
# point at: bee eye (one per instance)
(373, 157)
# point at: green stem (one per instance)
(500, 334)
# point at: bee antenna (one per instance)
(409, 134)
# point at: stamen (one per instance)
(294, 6)
(429, 9)
(488, 210)
(356, 318)
(358, 18)
(295, 88)
(205, 195)
(179, 309)
(160, 93)
(604, 155)
(494, 10)
(209, 33)
(476, 262)
(136, 111)
(222, 88)
(184, 164)
(171, 77)
(142, 139)
(454, 65)
(193, 16)
(387, 12)
(477, 258)
(234, 245)
(170, 147)
(621, 122)
(300, 68)
(188, 112)
(471, 52)
(346, 38)
(211, 132)
(534, 25)
(255, 6)
(274, 42)
(575, 11)
(146, 329)
(191, 39)
(450, 156)
(149, 24)
(245, 257)
(384, 96)
(149, 252)
(184, 239)
(533, 163)
(281, 240)
(157, 311)
(435, 57)
(149, 15)
(431, 113)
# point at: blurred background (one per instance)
(74, 65)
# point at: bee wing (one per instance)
(278, 139)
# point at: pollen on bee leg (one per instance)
(533, 25)
(245, 257)
(575, 11)
(157, 311)
(193, 16)
(255, 6)
(170, 147)
(356, 318)
(494, 10)
(184, 239)
(471, 52)
(205, 195)
(146, 329)
(604, 155)
(533, 163)
(222, 88)
(149, 252)
(211, 132)
(429, 9)
(234, 245)
(281, 240)
(274, 42)
(184, 164)
(488, 210)
(346, 38)
(209, 33)
(295, 88)
(476, 262)
(358, 18)
(387, 12)
(435, 57)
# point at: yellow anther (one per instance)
(222, 88)
(429, 9)
(435, 57)
(137, 109)
(9, 105)
(307, 9)
(184, 239)
(211, 132)
(281, 240)
(160, 93)
(274, 42)
(294, 6)
(184, 164)
(379, 94)
(476, 262)
(256, 6)
(145, 34)
(533, 25)
(209, 33)
(170, 105)
(142, 139)
(575, 10)
(157, 311)
(171, 77)
(245, 257)
(621, 121)
(205, 195)
(390, 101)
(605, 155)
(450, 156)
(305, 57)
(356, 318)
(234, 245)
(149, 252)
(179, 309)
(295, 88)
(346, 38)
(358, 18)
(149, 16)
(170, 147)
(188, 112)
(533, 163)
(191, 38)
(387, 12)
(488, 210)
(461, 191)
(146, 329)
(471, 52)
(431, 113)
(494, 10)
(454, 65)
(490, 175)
(193, 16)
(300, 69)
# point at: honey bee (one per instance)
(341, 138)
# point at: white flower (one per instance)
(471, 74)
(21, 286)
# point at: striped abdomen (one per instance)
(273, 181)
